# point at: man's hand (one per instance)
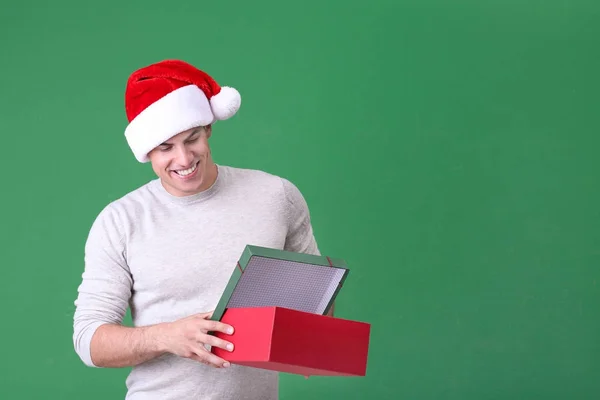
(187, 338)
(331, 310)
(116, 346)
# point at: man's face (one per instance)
(184, 163)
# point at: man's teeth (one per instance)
(188, 171)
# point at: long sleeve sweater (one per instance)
(168, 257)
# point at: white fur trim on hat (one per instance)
(178, 111)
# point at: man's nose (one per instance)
(184, 156)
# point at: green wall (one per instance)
(447, 151)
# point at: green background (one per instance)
(447, 150)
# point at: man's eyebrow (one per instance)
(195, 131)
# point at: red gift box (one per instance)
(297, 342)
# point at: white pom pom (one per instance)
(226, 103)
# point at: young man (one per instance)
(168, 248)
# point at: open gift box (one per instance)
(277, 302)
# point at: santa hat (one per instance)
(169, 97)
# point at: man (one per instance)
(167, 249)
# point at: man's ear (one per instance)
(208, 129)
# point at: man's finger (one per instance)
(214, 341)
(210, 359)
(216, 326)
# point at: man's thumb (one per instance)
(206, 315)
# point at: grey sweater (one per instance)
(169, 257)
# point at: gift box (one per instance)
(277, 302)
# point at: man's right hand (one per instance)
(188, 337)
(117, 346)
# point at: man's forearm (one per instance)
(116, 346)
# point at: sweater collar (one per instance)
(159, 190)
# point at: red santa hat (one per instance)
(169, 97)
